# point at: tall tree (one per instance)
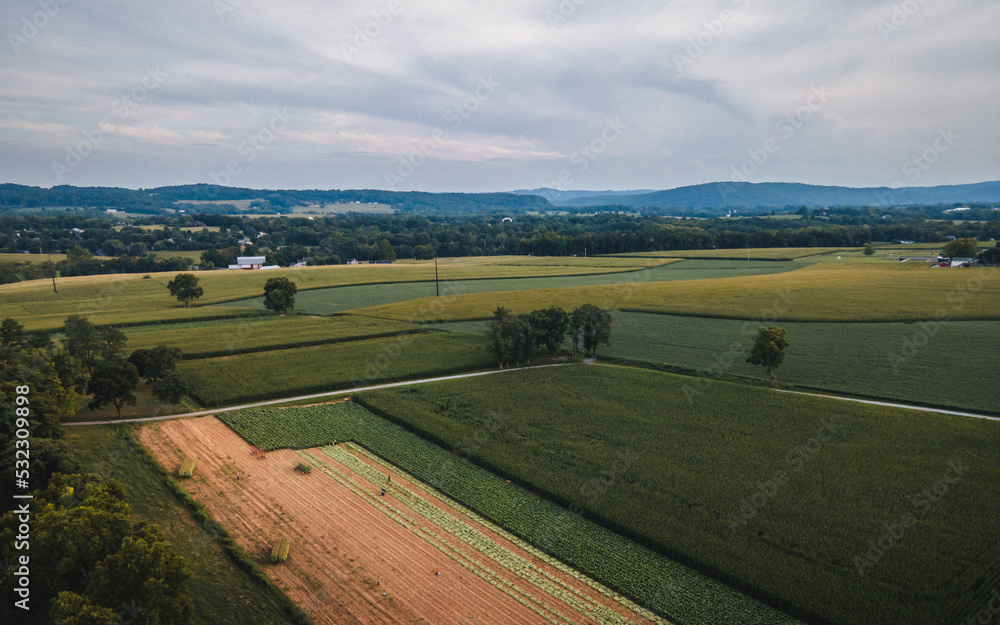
(768, 350)
(82, 341)
(69, 608)
(961, 248)
(11, 333)
(170, 389)
(160, 362)
(147, 574)
(113, 342)
(185, 288)
(279, 294)
(550, 326)
(593, 325)
(386, 251)
(112, 383)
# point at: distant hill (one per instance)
(14, 196)
(772, 195)
(564, 197)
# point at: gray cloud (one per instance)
(700, 87)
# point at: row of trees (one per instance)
(89, 562)
(279, 293)
(514, 338)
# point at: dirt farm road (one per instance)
(348, 391)
(474, 374)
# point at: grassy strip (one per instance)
(763, 253)
(265, 332)
(198, 512)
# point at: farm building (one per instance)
(251, 262)
(351, 261)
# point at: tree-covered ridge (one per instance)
(156, 200)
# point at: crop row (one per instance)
(595, 551)
(478, 541)
(275, 374)
(246, 335)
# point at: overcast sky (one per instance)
(487, 95)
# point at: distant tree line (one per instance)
(338, 238)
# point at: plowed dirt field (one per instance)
(360, 556)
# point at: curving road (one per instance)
(347, 391)
(359, 389)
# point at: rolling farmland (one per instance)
(134, 298)
(896, 361)
(609, 558)
(235, 336)
(358, 556)
(334, 300)
(280, 373)
(817, 292)
(778, 495)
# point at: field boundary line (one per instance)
(894, 405)
(346, 391)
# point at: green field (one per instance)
(31, 258)
(896, 361)
(219, 591)
(282, 373)
(333, 300)
(816, 292)
(133, 298)
(700, 481)
(762, 253)
(370, 208)
(236, 336)
(653, 581)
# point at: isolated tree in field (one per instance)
(768, 350)
(185, 288)
(869, 250)
(112, 383)
(592, 325)
(170, 389)
(549, 326)
(961, 248)
(279, 295)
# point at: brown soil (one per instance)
(360, 557)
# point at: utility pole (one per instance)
(437, 286)
(52, 268)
